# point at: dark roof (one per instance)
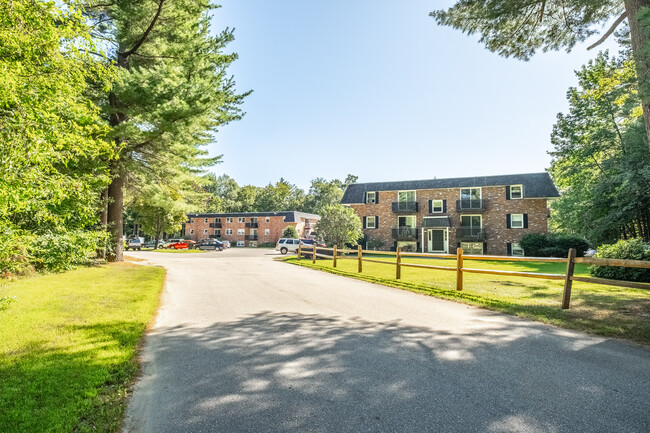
(289, 216)
(436, 222)
(536, 185)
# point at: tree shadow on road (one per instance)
(291, 372)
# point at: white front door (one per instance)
(437, 240)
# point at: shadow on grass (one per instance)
(292, 372)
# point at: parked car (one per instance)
(209, 244)
(226, 244)
(178, 244)
(310, 243)
(285, 245)
(133, 243)
(152, 244)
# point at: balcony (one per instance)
(307, 225)
(405, 233)
(251, 237)
(470, 234)
(252, 225)
(405, 206)
(471, 205)
(215, 225)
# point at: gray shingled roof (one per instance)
(536, 185)
(289, 216)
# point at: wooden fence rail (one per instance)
(568, 277)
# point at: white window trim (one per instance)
(472, 215)
(241, 244)
(433, 206)
(374, 197)
(521, 188)
(241, 232)
(241, 219)
(480, 190)
(229, 219)
(191, 231)
(205, 231)
(415, 194)
(373, 219)
(217, 232)
(408, 216)
(267, 232)
(229, 231)
(516, 246)
(268, 219)
(512, 220)
(205, 220)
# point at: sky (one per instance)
(377, 89)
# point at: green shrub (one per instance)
(552, 245)
(373, 244)
(632, 249)
(56, 252)
(289, 232)
(14, 259)
(266, 245)
(5, 301)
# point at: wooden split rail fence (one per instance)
(568, 277)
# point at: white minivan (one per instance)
(287, 244)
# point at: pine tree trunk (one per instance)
(639, 42)
(115, 217)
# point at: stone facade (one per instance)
(248, 228)
(496, 237)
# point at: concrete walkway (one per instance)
(244, 343)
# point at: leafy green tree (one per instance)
(53, 152)
(289, 232)
(600, 158)
(160, 210)
(171, 92)
(519, 28)
(339, 225)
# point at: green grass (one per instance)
(603, 310)
(68, 351)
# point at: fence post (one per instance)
(360, 255)
(299, 251)
(459, 269)
(398, 270)
(313, 258)
(334, 257)
(568, 282)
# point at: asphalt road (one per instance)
(244, 343)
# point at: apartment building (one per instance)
(248, 228)
(483, 215)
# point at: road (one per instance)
(243, 343)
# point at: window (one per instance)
(517, 221)
(516, 192)
(229, 219)
(517, 250)
(410, 247)
(254, 220)
(191, 231)
(405, 196)
(191, 220)
(253, 244)
(371, 197)
(268, 219)
(406, 221)
(436, 206)
(217, 232)
(217, 220)
(241, 219)
(241, 231)
(240, 243)
(253, 232)
(205, 220)
(371, 222)
(205, 231)
(228, 231)
(267, 232)
(475, 248)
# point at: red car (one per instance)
(181, 244)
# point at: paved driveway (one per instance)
(244, 343)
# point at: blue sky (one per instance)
(377, 89)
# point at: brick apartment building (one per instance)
(248, 228)
(483, 215)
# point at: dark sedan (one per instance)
(209, 244)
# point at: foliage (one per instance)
(69, 347)
(289, 232)
(5, 301)
(339, 225)
(266, 245)
(631, 249)
(552, 244)
(53, 154)
(56, 252)
(600, 160)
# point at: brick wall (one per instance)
(493, 218)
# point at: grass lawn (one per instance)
(69, 345)
(602, 310)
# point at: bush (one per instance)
(552, 245)
(56, 252)
(632, 249)
(14, 259)
(373, 244)
(266, 245)
(289, 232)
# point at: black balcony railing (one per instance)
(405, 233)
(471, 204)
(251, 237)
(405, 206)
(470, 234)
(214, 236)
(252, 225)
(215, 225)
(307, 225)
